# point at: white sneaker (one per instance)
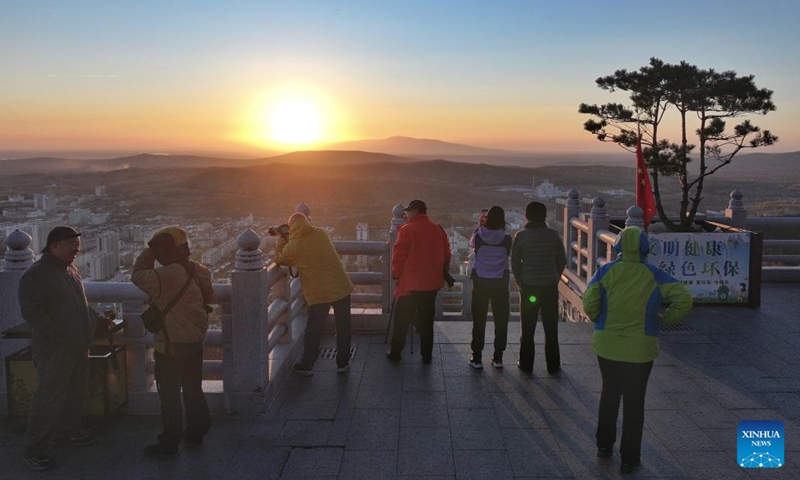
(476, 364)
(344, 368)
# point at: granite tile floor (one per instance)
(406, 420)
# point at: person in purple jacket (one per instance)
(490, 277)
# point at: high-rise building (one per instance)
(362, 235)
(101, 259)
(44, 202)
(100, 191)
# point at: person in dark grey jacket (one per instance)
(537, 260)
(53, 303)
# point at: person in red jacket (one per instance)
(419, 259)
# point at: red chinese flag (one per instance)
(644, 193)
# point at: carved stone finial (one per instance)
(397, 218)
(599, 207)
(249, 257)
(303, 208)
(18, 240)
(736, 211)
(398, 210)
(573, 199)
(635, 217)
(248, 240)
(19, 255)
(736, 200)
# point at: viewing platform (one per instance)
(445, 420)
(384, 420)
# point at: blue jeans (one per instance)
(317, 314)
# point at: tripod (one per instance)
(391, 323)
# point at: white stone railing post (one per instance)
(736, 211)
(19, 257)
(139, 355)
(397, 222)
(283, 289)
(598, 220)
(466, 288)
(571, 210)
(249, 328)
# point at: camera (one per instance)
(278, 230)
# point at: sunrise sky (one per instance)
(253, 76)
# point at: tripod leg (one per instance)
(411, 332)
(391, 321)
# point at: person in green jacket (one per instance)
(623, 300)
(325, 285)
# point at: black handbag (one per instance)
(153, 317)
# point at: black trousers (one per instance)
(485, 291)
(626, 381)
(422, 305)
(317, 314)
(57, 405)
(176, 375)
(532, 300)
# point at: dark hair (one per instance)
(496, 218)
(536, 212)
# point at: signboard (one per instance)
(715, 266)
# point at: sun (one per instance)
(295, 122)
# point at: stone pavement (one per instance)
(383, 420)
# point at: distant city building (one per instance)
(547, 190)
(100, 191)
(214, 256)
(86, 198)
(246, 221)
(100, 260)
(618, 192)
(79, 216)
(44, 202)
(98, 218)
(16, 198)
(132, 233)
(362, 235)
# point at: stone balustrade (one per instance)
(262, 310)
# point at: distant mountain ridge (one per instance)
(408, 146)
(397, 149)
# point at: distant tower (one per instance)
(533, 182)
(100, 191)
(362, 235)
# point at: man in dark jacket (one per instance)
(53, 303)
(537, 260)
